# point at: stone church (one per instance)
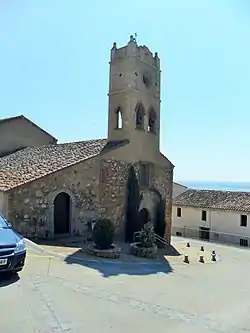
(48, 189)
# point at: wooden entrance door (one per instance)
(62, 214)
(204, 233)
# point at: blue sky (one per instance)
(54, 69)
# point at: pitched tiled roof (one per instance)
(215, 200)
(32, 163)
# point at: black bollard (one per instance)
(188, 244)
(202, 259)
(186, 260)
(202, 248)
(213, 252)
(213, 257)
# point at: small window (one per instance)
(178, 211)
(203, 215)
(178, 233)
(243, 242)
(151, 120)
(139, 112)
(144, 174)
(118, 114)
(243, 221)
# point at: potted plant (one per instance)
(103, 237)
(146, 246)
(103, 234)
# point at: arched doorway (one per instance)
(149, 202)
(144, 217)
(62, 214)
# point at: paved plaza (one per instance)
(53, 295)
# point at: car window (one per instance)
(3, 222)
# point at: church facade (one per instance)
(48, 189)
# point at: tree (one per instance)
(147, 236)
(133, 200)
(160, 218)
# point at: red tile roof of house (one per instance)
(214, 200)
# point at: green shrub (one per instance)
(147, 236)
(103, 234)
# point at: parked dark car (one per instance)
(12, 248)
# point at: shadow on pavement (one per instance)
(7, 278)
(116, 267)
(171, 251)
(108, 267)
(73, 241)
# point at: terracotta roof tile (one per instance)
(32, 163)
(215, 200)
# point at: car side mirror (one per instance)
(9, 225)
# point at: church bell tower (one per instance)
(134, 96)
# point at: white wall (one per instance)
(230, 222)
(190, 217)
(178, 189)
(3, 203)
(221, 222)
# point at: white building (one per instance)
(221, 216)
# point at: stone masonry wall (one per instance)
(97, 188)
(163, 182)
(113, 179)
(31, 205)
(112, 191)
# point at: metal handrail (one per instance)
(157, 237)
(160, 239)
(135, 234)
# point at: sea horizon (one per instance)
(216, 185)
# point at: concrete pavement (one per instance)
(54, 295)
